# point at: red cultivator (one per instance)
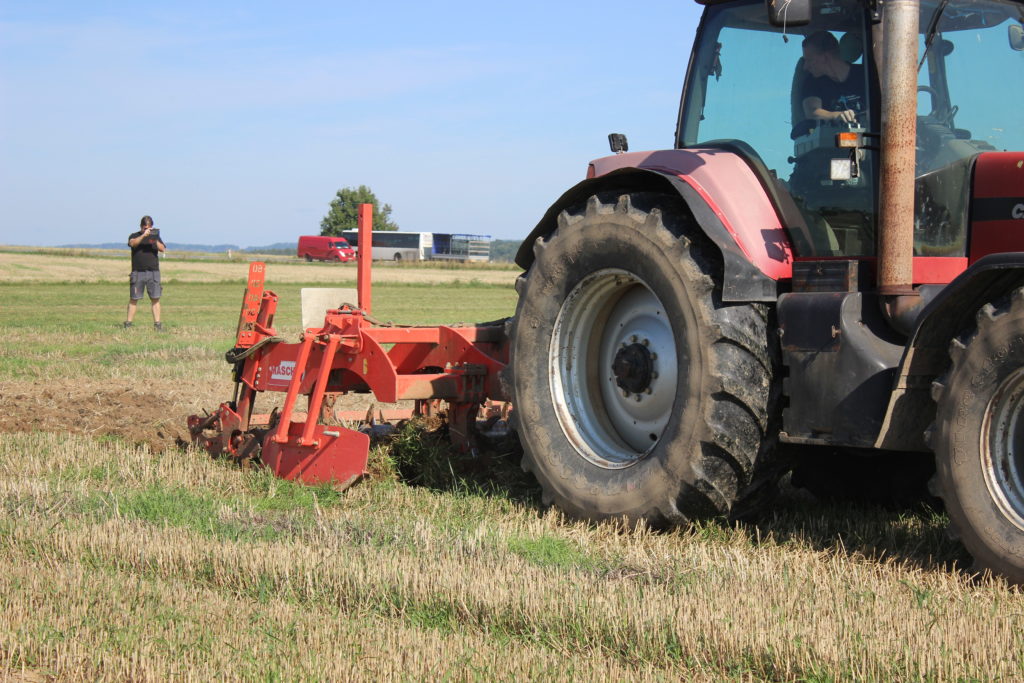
(349, 353)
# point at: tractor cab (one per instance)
(748, 86)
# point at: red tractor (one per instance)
(832, 255)
(788, 274)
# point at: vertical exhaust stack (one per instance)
(899, 130)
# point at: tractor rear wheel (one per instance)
(978, 439)
(638, 393)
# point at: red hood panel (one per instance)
(997, 204)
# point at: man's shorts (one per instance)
(145, 280)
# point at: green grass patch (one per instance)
(551, 551)
(271, 493)
(273, 509)
(173, 506)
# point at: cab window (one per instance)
(748, 82)
(969, 101)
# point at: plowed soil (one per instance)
(153, 415)
(140, 415)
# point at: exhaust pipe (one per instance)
(900, 301)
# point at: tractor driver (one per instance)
(833, 89)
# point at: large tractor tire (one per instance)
(638, 393)
(978, 438)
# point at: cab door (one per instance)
(746, 82)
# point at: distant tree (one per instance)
(344, 211)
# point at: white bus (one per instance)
(390, 245)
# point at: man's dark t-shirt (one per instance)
(144, 256)
(849, 94)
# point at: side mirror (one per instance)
(618, 143)
(787, 13)
(1016, 34)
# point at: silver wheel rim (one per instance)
(612, 318)
(1002, 448)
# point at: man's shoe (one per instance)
(159, 327)
(127, 324)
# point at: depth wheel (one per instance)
(978, 439)
(637, 393)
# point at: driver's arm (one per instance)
(813, 110)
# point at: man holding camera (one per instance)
(146, 246)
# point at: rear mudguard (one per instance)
(950, 312)
(726, 197)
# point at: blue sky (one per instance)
(236, 122)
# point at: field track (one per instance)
(27, 267)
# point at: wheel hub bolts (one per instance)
(633, 368)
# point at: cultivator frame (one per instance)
(350, 353)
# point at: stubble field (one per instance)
(125, 555)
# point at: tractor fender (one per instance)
(726, 198)
(951, 310)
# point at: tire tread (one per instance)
(737, 338)
(942, 392)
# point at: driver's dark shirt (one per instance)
(850, 94)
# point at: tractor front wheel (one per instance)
(979, 439)
(638, 393)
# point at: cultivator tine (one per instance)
(215, 433)
(200, 424)
(462, 426)
(248, 450)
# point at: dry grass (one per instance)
(122, 564)
(73, 266)
(120, 561)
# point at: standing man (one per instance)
(146, 245)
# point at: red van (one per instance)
(324, 248)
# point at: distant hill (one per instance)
(176, 246)
(173, 246)
(275, 248)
